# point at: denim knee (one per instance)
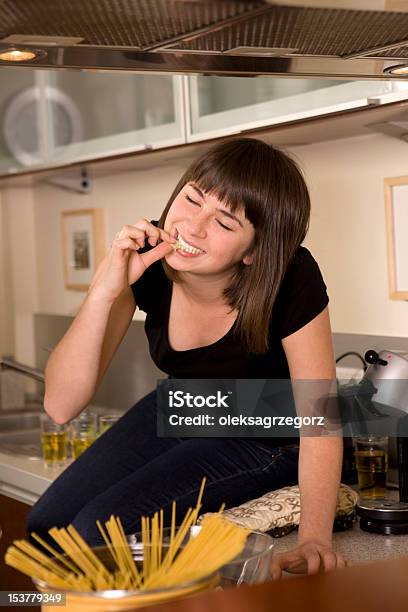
(85, 524)
(40, 520)
(46, 513)
(34, 521)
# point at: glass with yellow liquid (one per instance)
(83, 433)
(106, 421)
(371, 454)
(54, 441)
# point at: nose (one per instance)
(198, 225)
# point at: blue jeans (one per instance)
(130, 472)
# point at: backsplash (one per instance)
(130, 376)
(361, 343)
(12, 390)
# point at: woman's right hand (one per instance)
(123, 265)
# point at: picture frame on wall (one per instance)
(396, 218)
(83, 242)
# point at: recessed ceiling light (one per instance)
(20, 55)
(401, 69)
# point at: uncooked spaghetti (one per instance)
(78, 568)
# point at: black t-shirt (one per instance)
(301, 297)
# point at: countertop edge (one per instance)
(23, 479)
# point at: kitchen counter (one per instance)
(26, 479)
(358, 546)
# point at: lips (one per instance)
(183, 242)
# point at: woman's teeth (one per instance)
(184, 246)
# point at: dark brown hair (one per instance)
(267, 184)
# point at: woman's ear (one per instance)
(248, 259)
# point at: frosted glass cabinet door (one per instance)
(20, 136)
(224, 105)
(107, 113)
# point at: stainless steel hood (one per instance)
(218, 37)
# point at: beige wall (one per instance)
(125, 198)
(347, 233)
(6, 294)
(19, 273)
(396, 5)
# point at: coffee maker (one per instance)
(378, 405)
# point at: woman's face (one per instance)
(214, 239)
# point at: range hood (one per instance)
(217, 37)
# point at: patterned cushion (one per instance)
(278, 512)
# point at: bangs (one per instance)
(250, 176)
(236, 184)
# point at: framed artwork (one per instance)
(396, 216)
(83, 246)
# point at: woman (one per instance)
(229, 293)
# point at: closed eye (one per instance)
(192, 201)
(224, 226)
(198, 204)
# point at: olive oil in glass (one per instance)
(372, 464)
(54, 446)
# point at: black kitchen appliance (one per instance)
(378, 405)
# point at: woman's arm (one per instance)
(76, 366)
(79, 361)
(319, 478)
(309, 353)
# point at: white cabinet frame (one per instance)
(358, 95)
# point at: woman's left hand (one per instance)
(308, 558)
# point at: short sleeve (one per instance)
(303, 293)
(145, 289)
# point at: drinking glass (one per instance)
(54, 441)
(106, 421)
(83, 433)
(371, 453)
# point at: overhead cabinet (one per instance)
(19, 140)
(55, 117)
(51, 118)
(225, 105)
